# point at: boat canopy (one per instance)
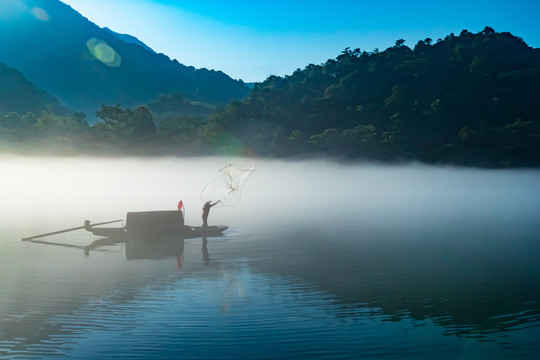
(155, 223)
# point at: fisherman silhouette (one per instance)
(206, 212)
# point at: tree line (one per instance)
(471, 99)
(119, 131)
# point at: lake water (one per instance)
(321, 260)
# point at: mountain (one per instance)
(129, 39)
(85, 66)
(18, 94)
(467, 99)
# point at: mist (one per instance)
(49, 192)
(356, 247)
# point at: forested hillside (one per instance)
(19, 95)
(469, 99)
(85, 66)
(472, 99)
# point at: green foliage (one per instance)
(451, 101)
(131, 126)
(45, 133)
(175, 105)
(472, 99)
(55, 56)
(13, 121)
(182, 133)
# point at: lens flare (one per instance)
(40, 14)
(101, 51)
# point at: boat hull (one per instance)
(198, 231)
(156, 225)
(187, 232)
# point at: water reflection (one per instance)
(137, 248)
(305, 295)
(204, 250)
(321, 261)
(457, 284)
(52, 318)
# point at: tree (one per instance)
(399, 43)
(125, 124)
(11, 120)
(142, 124)
(488, 31)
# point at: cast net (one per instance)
(227, 188)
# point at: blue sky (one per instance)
(251, 40)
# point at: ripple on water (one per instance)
(230, 313)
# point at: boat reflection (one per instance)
(138, 248)
(466, 291)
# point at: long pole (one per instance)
(66, 230)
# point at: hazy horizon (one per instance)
(253, 40)
(71, 190)
(339, 260)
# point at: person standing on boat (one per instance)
(206, 212)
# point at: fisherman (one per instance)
(206, 211)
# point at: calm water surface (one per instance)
(321, 261)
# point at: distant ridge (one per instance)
(129, 39)
(19, 95)
(471, 99)
(85, 66)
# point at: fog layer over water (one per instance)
(319, 256)
(39, 191)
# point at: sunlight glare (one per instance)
(40, 14)
(103, 52)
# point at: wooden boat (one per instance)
(188, 232)
(156, 224)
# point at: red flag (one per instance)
(180, 205)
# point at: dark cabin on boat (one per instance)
(155, 223)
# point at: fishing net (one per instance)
(227, 188)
